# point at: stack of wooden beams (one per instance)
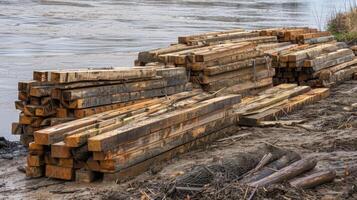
(54, 97)
(128, 140)
(229, 60)
(276, 102)
(298, 35)
(316, 65)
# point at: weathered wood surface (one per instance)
(286, 173)
(126, 97)
(101, 74)
(109, 141)
(158, 136)
(133, 157)
(292, 104)
(320, 40)
(105, 90)
(235, 66)
(330, 59)
(139, 168)
(326, 73)
(186, 39)
(57, 133)
(314, 179)
(57, 172)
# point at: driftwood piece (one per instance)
(314, 179)
(286, 173)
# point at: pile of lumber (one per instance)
(229, 60)
(275, 102)
(54, 97)
(126, 141)
(315, 65)
(298, 35)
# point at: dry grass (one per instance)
(344, 24)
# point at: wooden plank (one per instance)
(109, 141)
(101, 74)
(57, 172)
(56, 133)
(104, 90)
(34, 160)
(256, 71)
(292, 105)
(235, 66)
(246, 87)
(35, 172)
(139, 168)
(85, 112)
(145, 152)
(158, 136)
(87, 176)
(320, 40)
(16, 128)
(326, 73)
(313, 52)
(323, 61)
(60, 150)
(186, 39)
(125, 97)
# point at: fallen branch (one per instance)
(286, 173)
(314, 179)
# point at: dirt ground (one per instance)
(329, 133)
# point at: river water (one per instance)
(58, 34)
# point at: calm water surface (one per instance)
(56, 34)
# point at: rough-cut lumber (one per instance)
(133, 157)
(86, 176)
(34, 160)
(286, 173)
(186, 39)
(326, 60)
(109, 141)
(101, 74)
(292, 105)
(125, 97)
(320, 40)
(186, 127)
(35, 172)
(314, 179)
(235, 66)
(56, 133)
(139, 168)
(326, 73)
(63, 173)
(60, 150)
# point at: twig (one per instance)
(253, 193)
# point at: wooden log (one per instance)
(57, 172)
(105, 142)
(272, 167)
(286, 173)
(125, 97)
(139, 168)
(292, 105)
(314, 179)
(101, 74)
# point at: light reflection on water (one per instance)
(52, 34)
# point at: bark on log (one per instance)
(286, 173)
(314, 179)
